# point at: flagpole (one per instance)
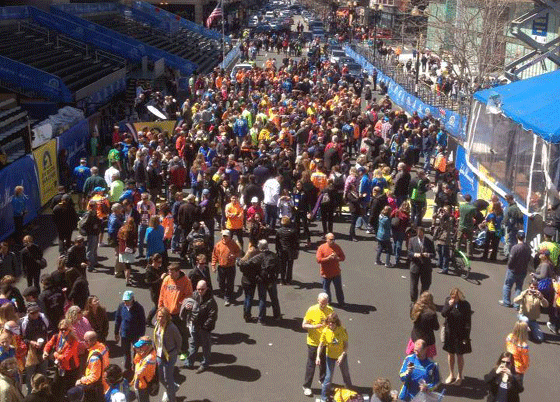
(223, 34)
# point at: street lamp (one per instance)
(415, 12)
(377, 11)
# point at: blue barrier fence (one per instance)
(14, 13)
(74, 141)
(132, 48)
(28, 78)
(230, 57)
(88, 8)
(167, 16)
(453, 122)
(19, 173)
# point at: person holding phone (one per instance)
(504, 384)
(530, 303)
(418, 372)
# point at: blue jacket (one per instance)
(114, 224)
(18, 205)
(130, 323)
(154, 240)
(384, 228)
(425, 370)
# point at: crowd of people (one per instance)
(257, 157)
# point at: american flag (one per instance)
(217, 12)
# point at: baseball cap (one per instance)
(128, 295)
(205, 191)
(226, 232)
(142, 342)
(98, 190)
(254, 199)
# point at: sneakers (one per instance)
(201, 369)
(552, 328)
(369, 231)
(389, 265)
(164, 398)
(227, 303)
(503, 303)
(307, 391)
(183, 356)
(378, 262)
(443, 271)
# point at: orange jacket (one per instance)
(144, 369)
(173, 292)
(21, 351)
(67, 351)
(520, 354)
(97, 362)
(224, 254)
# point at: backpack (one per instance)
(82, 224)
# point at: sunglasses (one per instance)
(506, 362)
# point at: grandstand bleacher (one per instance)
(14, 131)
(189, 45)
(77, 64)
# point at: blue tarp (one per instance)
(533, 103)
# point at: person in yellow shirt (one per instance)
(335, 339)
(319, 178)
(314, 323)
(234, 218)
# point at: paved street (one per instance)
(252, 362)
(258, 363)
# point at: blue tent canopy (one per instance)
(534, 103)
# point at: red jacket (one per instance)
(68, 354)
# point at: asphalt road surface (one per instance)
(266, 363)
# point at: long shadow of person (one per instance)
(471, 388)
(233, 338)
(237, 372)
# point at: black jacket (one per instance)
(93, 224)
(30, 259)
(252, 190)
(402, 181)
(152, 279)
(250, 270)
(65, 218)
(207, 314)
(418, 264)
(76, 256)
(53, 300)
(79, 292)
(200, 273)
(493, 380)
(188, 214)
(287, 242)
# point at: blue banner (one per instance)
(467, 178)
(88, 8)
(101, 97)
(19, 173)
(230, 57)
(453, 122)
(173, 19)
(75, 141)
(13, 13)
(28, 78)
(125, 46)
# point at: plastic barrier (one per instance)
(230, 57)
(75, 141)
(19, 173)
(14, 13)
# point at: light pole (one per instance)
(377, 11)
(417, 13)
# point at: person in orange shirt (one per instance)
(97, 361)
(103, 209)
(167, 222)
(224, 255)
(145, 365)
(234, 218)
(175, 288)
(318, 177)
(329, 256)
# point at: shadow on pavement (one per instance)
(236, 372)
(232, 338)
(287, 323)
(471, 388)
(43, 231)
(476, 278)
(358, 308)
(307, 286)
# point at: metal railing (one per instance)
(388, 66)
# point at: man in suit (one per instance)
(420, 251)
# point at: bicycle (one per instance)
(460, 263)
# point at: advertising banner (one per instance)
(19, 173)
(467, 178)
(41, 134)
(75, 141)
(47, 170)
(159, 126)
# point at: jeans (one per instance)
(353, 220)
(337, 282)
(384, 246)
(310, 366)
(286, 267)
(270, 215)
(425, 277)
(239, 234)
(142, 395)
(427, 160)
(398, 238)
(176, 238)
(226, 280)
(271, 289)
(301, 219)
(509, 281)
(443, 253)
(417, 212)
(199, 337)
(510, 241)
(141, 238)
(249, 291)
(91, 253)
(165, 371)
(536, 332)
(33, 278)
(344, 370)
(327, 218)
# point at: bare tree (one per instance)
(470, 35)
